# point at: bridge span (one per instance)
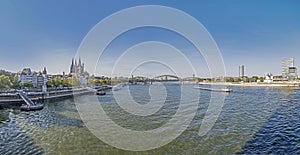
(162, 78)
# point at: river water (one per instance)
(252, 121)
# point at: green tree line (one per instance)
(8, 80)
(245, 79)
(63, 82)
(94, 81)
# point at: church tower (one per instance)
(77, 69)
(82, 68)
(72, 68)
(45, 71)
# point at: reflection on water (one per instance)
(253, 120)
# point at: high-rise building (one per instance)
(288, 68)
(241, 71)
(292, 73)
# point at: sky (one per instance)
(257, 34)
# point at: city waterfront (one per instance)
(253, 120)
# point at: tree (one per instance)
(261, 79)
(50, 83)
(57, 82)
(97, 82)
(255, 77)
(65, 82)
(53, 82)
(102, 81)
(4, 82)
(3, 72)
(91, 81)
(8, 80)
(74, 82)
(28, 84)
(15, 82)
(108, 81)
(239, 79)
(247, 79)
(230, 79)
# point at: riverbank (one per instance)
(274, 85)
(8, 98)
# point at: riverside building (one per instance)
(38, 79)
(288, 69)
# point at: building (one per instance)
(241, 71)
(25, 75)
(38, 79)
(44, 71)
(288, 69)
(292, 73)
(285, 64)
(268, 78)
(78, 69)
(279, 79)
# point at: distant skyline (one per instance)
(256, 34)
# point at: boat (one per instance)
(100, 93)
(116, 87)
(29, 104)
(218, 90)
(31, 107)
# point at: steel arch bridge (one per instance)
(161, 78)
(166, 78)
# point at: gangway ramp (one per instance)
(30, 105)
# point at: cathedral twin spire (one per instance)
(77, 68)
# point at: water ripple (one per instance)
(252, 121)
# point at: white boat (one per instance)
(116, 87)
(211, 89)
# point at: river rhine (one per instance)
(252, 121)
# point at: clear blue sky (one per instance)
(255, 33)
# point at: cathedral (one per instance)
(78, 69)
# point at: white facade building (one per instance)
(268, 78)
(37, 79)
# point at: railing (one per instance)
(26, 99)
